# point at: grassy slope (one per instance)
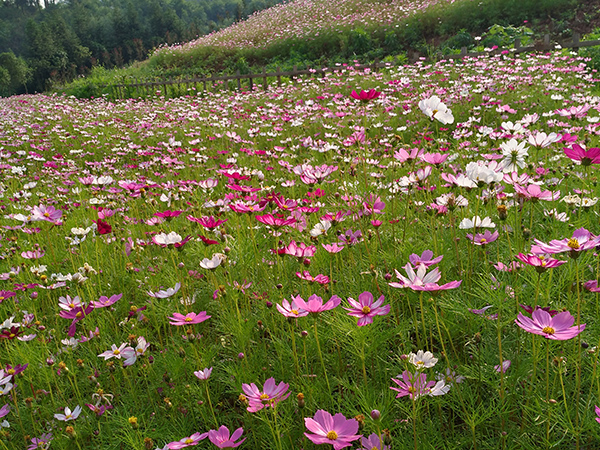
(452, 25)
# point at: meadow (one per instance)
(370, 260)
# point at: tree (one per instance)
(14, 74)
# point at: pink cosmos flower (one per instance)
(541, 263)
(598, 414)
(315, 303)
(300, 250)
(530, 309)
(333, 430)
(305, 275)
(165, 293)
(365, 309)
(483, 238)
(222, 440)
(47, 213)
(586, 157)
(582, 240)
(104, 301)
(270, 395)
(203, 374)
(558, 328)
(291, 310)
(35, 254)
(275, 222)
(194, 439)
(374, 442)
(534, 192)
(365, 96)
(168, 214)
(504, 367)
(188, 319)
(425, 259)
(421, 280)
(333, 248)
(416, 385)
(76, 314)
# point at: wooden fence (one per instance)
(170, 87)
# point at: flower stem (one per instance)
(321, 355)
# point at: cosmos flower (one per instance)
(422, 360)
(69, 415)
(558, 328)
(333, 430)
(585, 157)
(194, 439)
(188, 319)
(416, 385)
(365, 96)
(315, 303)
(203, 374)
(271, 394)
(46, 213)
(365, 309)
(291, 310)
(169, 292)
(434, 109)
(221, 437)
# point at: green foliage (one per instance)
(592, 52)
(505, 36)
(16, 73)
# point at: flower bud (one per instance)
(300, 398)
(133, 421)
(375, 414)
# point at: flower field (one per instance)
(400, 259)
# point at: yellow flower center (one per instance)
(189, 441)
(366, 310)
(483, 240)
(46, 214)
(294, 311)
(188, 319)
(78, 315)
(11, 371)
(574, 244)
(264, 398)
(548, 330)
(544, 263)
(2, 298)
(411, 389)
(117, 352)
(11, 335)
(332, 435)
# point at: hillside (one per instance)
(318, 32)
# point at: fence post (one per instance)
(251, 80)
(463, 52)
(375, 65)
(546, 41)
(278, 76)
(575, 44)
(293, 72)
(204, 84)
(264, 71)
(239, 79)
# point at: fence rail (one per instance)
(135, 88)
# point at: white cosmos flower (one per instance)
(213, 263)
(543, 140)
(165, 293)
(514, 155)
(476, 222)
(321, 228)
(434, 109)
(422, 360)
(440, 388)
(479, 172)
(167, 239)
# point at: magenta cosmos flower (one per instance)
(365, 95)
(194, 439)
(315, 303)
(586, 157)
(188, 319)
(222, 440)
(558, 328)
(365, 309)
(270, 395)
(334, 430)
(483, 238)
